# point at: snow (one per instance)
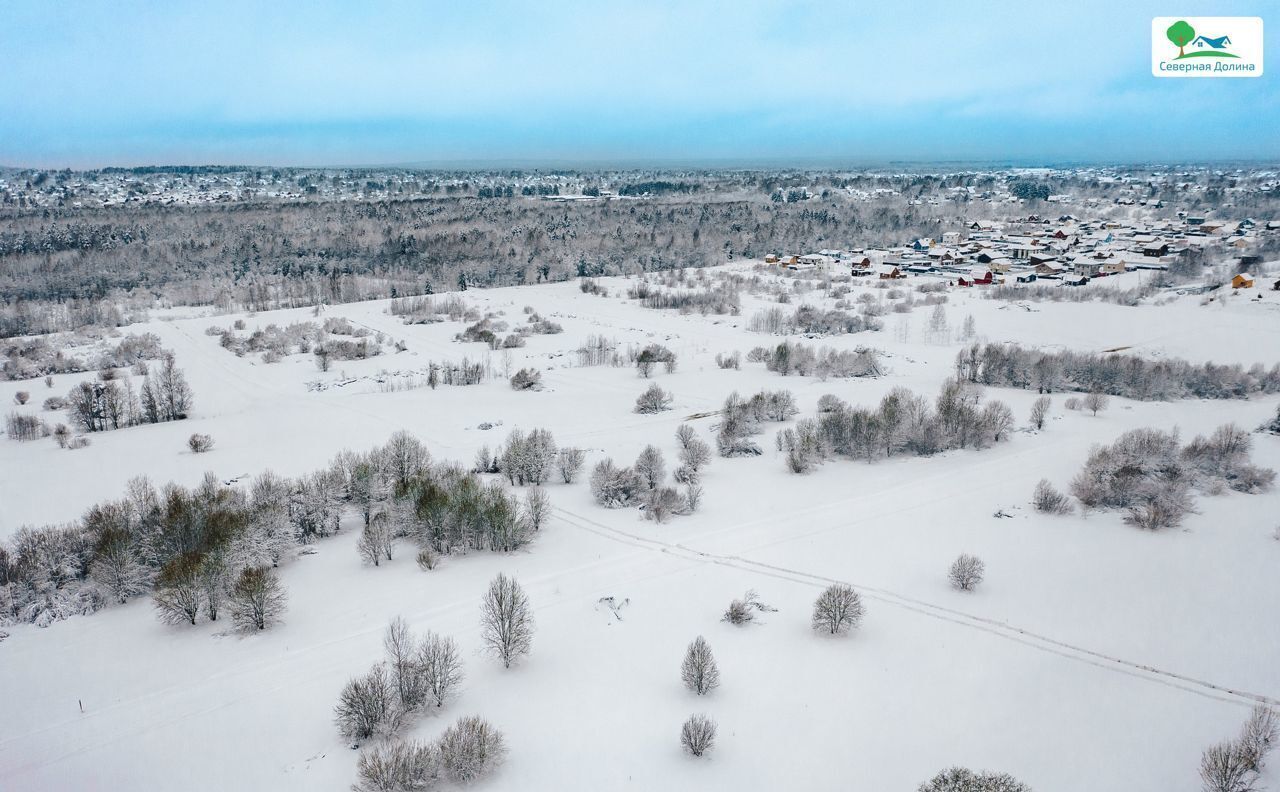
(1094, 656)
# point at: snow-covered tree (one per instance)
(365, 704)
(440, 664)
(256, 599)
(966, 572)
(469, 749)
(698, 734)
(1039, 411)
(506, 619)
(699, 671)
(837, 609)
(651, 467)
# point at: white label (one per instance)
(1206, 46)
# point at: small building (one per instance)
(1075, 280)
(1155, 250)
(888, 272)
(1242, 280)
(978, 276)
(1113, 267)
(1025, 277)
(771, 259)
(951, 238)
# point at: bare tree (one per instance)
(1225, 768)
(651, 467)
(470, 748)
(507, 620)
(537, 506)
(966, 572)
(1049, 500)
(1039, 412)
(179, 593)
(1095, 402)
(699, 670)
(365, 704)
(569, 463)
(837, 609)
(375, 540)
(1259, 736)
(256, 598)
(694, 452)
(698, 734)
(402, 659)
(440, 664)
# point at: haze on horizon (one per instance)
(332, 83)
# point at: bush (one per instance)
(1225, 768)
(469, 749)
(21, 397)
(615, 487)
(1048, 500)
(256, 598)
(199, 443)
(399, 767)
(837, 610)
(366, 704)
(698, 734)
(966, 572)
(960, 779)
(653, 400)
(526, 379)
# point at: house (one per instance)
(951, 238)
(861, 262)
(814, 260)
(924, 243)
(1155, 249)
(1074, 280)
(790, 261)
(978, 276)
(771, 259)
(1050, 269)
(1242, 280)
(1026, 277)
(1114, 267)
(889, 272)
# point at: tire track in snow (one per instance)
(1000, 629)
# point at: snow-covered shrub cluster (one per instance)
(37, 357)
(598, 351)
(810, 320)
(903, 423)
(194, 545)
(425, 310)
(25, 427)
(794, 358)
(1148, 474)
(273, 341)
(1128, 376)
(741, 418)
(526, 379)
(718, 299)
(433, 375)
(592, 286)
(644, 483)
(743, 611)
(730, 361)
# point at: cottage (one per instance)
(888, 272)
(1155, 249)
(951, 238)
(1114, 267)
(978, 276)
(1242, 280)
(1050, 269)
(1025, 277)
(771, 259)
(1075, 280)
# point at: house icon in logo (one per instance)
(1182, 34)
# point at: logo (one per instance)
(1206, 47)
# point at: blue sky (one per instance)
(331, 83)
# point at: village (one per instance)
(1067, 251)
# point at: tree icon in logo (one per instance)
(1181, 34)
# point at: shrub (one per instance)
(653, 400)
(1048, 500)
(966, 572)
(837, 610)
(469, 749)
(526, 379)
(199, 443)
(21, 397)
(960, 779)
(698, 734)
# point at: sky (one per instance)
(322, 82)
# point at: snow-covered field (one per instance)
(1094, 656)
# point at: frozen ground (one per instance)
(1095, 656)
